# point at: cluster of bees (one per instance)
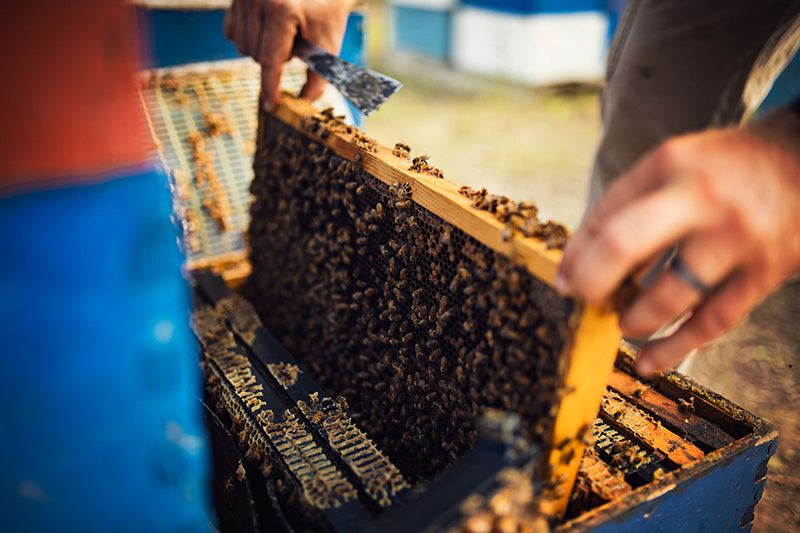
(239, 392)
(180, 91)
(519, 217)
(215, 199)
(632, 460)
(288, 435)
(510, 509)
(420, 326)
(382, 481)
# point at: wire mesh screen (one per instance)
(202, 120)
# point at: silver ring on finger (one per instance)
(679, 268)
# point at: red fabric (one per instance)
(68, 95)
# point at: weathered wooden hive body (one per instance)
(386, 313)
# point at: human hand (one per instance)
(729, 199)
(265, 30)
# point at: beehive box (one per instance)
(665, 455)
(614, 489)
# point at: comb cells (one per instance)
(420, 326)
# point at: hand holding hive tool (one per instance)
(366, 89)
(270, 31)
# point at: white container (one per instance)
(537, 49)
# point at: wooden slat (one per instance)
(668, 411)
(592, 357)
(602, 480)
(440, 196)
(589, 358)
(633, 422)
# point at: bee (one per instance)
(686, 407)
(341, 401)
(420, 164)
(401, 150)
(316, 417)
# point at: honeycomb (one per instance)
(311, 445)
(417, 324)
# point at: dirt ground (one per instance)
(538, 145)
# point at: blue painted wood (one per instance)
(529, 7)
(720, 498)
(101, 426)
(422, 31)
(172, 37)
(176, 37)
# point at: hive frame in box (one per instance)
(591, 357)
(715, 492)
(672, 493)
(289, 429)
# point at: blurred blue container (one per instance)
(173, 36)
(423, 28)
(529, 7)
(179, 36)
(101, 421)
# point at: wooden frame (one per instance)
(589, 359)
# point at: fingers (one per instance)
(314, 87)
(276, 44)
(709, 257)
(255, 29)
(243, 27)
(726, 306)
(652, 172)
(593, 266)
